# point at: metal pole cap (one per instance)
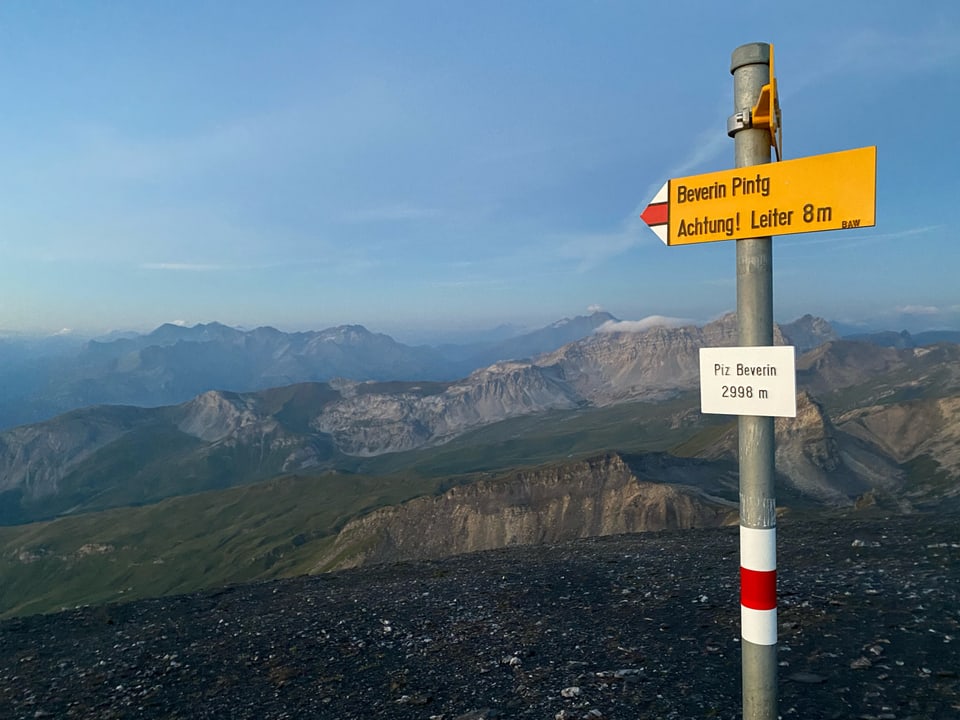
(750, 54)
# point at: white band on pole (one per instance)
(758, 626)
(758, 548)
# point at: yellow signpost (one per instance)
(836, 191)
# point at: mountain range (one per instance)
(107, 456)
(173, 363)
(334, 469)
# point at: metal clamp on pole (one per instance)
(739, 121)
(765, 113)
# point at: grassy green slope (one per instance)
(153, 460)
(246, 526)
(275, 528)
(545, 437)
(139, 467)
(182, 544)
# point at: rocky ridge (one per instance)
(600, 496)
(817, 464)
(657, 363)
(809, 332)
(375, 423)
(214, 416)
(818, 461)
(603, 369)
(368, 419)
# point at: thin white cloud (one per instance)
(877, 53)
(917, 317)
(635, 326)
(480, 282)
(909, 232)
(874, 50)
(845, 241)
(107, 153)
(919, 310)
(183, 267)
(707, 147)
(399, 212)
(590, 251)
(593, 249)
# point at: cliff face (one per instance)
(819, 461)
(215, 415)
(909, 430)
(809, 332)
(232, 420)
(603, 369)
(375, 423)
(600, 496)
(612, 367)
(825, 463)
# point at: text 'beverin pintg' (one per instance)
(738, 187)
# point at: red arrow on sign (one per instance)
(657, 213)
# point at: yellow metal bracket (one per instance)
(766, 113)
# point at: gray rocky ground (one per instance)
(615, 628)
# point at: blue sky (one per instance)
(420, 167)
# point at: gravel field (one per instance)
(616, 628)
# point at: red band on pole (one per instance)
(758, 590)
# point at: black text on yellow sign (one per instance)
(835, 191)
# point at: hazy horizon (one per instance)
(479, 332)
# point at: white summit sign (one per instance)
(748, 381)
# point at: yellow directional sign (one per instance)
(836, 191)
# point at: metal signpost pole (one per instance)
(835, 191)
(750, 66)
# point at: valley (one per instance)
(602, 435)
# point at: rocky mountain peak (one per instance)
(826, 464)
(597, 496)
(348, 335)
(814, 458)
(377, 421)
(170, 333)
(809, 332)
(215, 415)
